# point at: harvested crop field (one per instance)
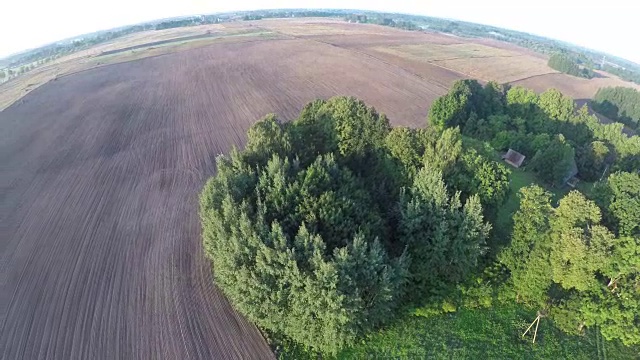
(100, 175)
(101, 169)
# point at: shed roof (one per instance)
(513, 158)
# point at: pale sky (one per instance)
(607, 26)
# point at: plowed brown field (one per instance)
(100, 171)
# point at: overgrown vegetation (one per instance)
(491, 333)
(620, 104)
(326, 230)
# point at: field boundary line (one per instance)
(533, 76)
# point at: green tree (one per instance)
(527, 256)
(326, 287)
(265, 138)
(591, 160)
(443, 237)
(565, 261)
(556, 106)
(488, 179)
(493, 100)
(449, 110)
(464, 98)
(554, 163)
(405, 145)
(615, 308)
(619, 197)
(522, 103)
(443, 152)
(579, 243)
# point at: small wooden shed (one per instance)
(513, 158)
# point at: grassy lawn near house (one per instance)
(519, 179)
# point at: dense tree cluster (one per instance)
(620, 104)
(619, 197)
(319, 226)
(546, 128)
(568, 65)
(565, 261)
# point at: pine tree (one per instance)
(444, 239)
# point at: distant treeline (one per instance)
(619, 103)
(193, 21)
(624, 74)
(383, 19)
(54, 51)
(568, 65)
(270, 14)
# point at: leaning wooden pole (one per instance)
(536, 321)
(530, 326)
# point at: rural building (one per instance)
(513, 158)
